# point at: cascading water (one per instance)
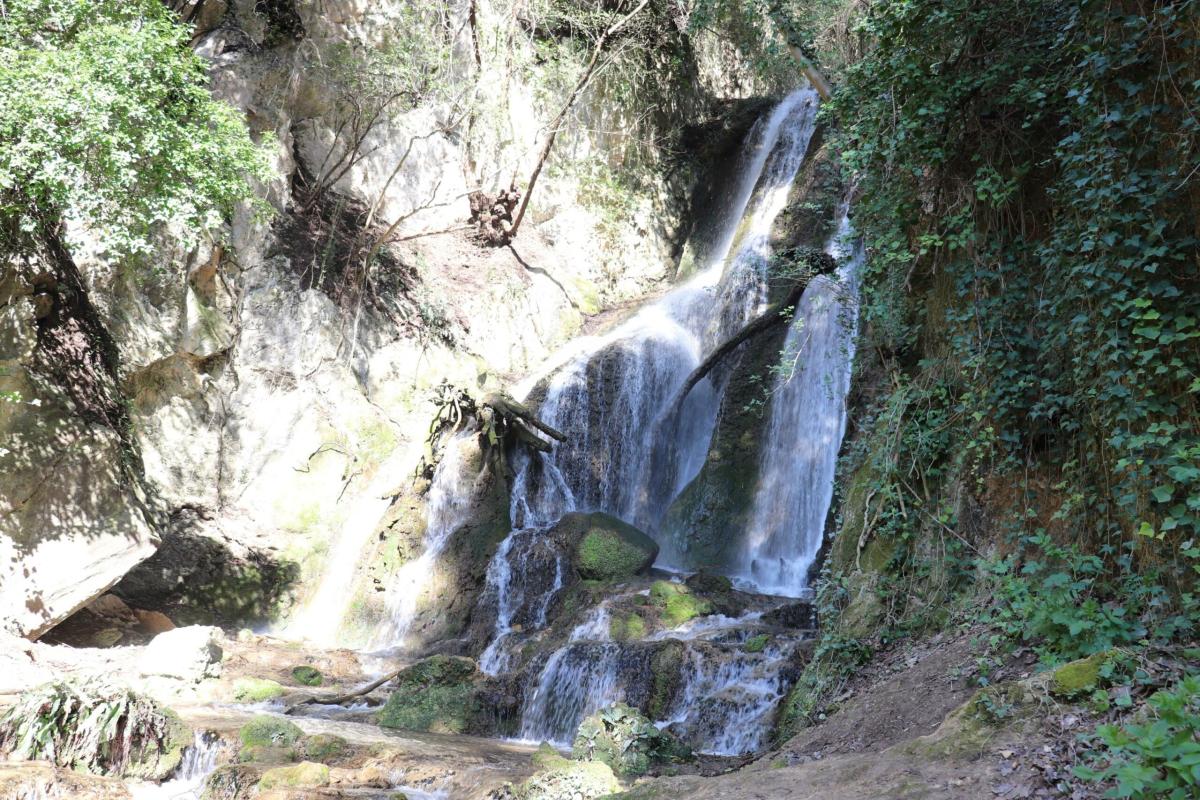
(187, 782)
(448, 503)
(804, 433)
(613, 393)
(321, 617)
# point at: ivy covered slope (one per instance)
(1027, 433)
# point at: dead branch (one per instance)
(582, 83)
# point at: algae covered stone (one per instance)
(1078, 677)
(305, 775)
(677, 602)
(625, 740)
(256, 690)
(307, 676)
(324, 747)
(606, 548)
(265, 731)
(559, 778)
(437, 694)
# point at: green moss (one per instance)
(437, 694)
(305, 775)
(267, 731)
(1078, 677)
(159, 760)
(677, 602)
(628, 628)
(324, 747)
(308, 676)
(606, 548)
(756, 644)
(666, 669)
(255, 690)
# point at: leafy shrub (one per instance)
(106, 120)
(1067, 605)
(1157, 759)
(94, 727)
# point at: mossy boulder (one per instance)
(324, 747)
(666, 675)
(559, 778)
(438, 694)
(307, 676)
(1078, 677)
(305, 775)
(265, 731)
(756, 644)
(677, 603)
(605, 548)
(156, 762)
(626, 741)
(256, 690)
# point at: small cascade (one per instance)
(187, 783)
(804, 432)
(321, 617)
(725, 698)
(449, 502)
(577, 680)
(532, 556)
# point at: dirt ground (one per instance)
(906, 729)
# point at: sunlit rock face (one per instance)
(245, 393)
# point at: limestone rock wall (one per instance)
(233, 394)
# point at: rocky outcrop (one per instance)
(74, 512)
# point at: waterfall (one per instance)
(613, 392)
(804, 432)
(448, 506)
(726, 695)
(320, 619)
(187, 782)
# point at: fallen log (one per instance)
(818, 264)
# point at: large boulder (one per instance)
(605, 548)
(437, 694)
(189, 654)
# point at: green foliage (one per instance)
(1028, 174)
(92, 726)
(1068, 605)
(626, 740)
(1157, 758)
(106, 121)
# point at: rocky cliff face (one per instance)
(255, 393)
